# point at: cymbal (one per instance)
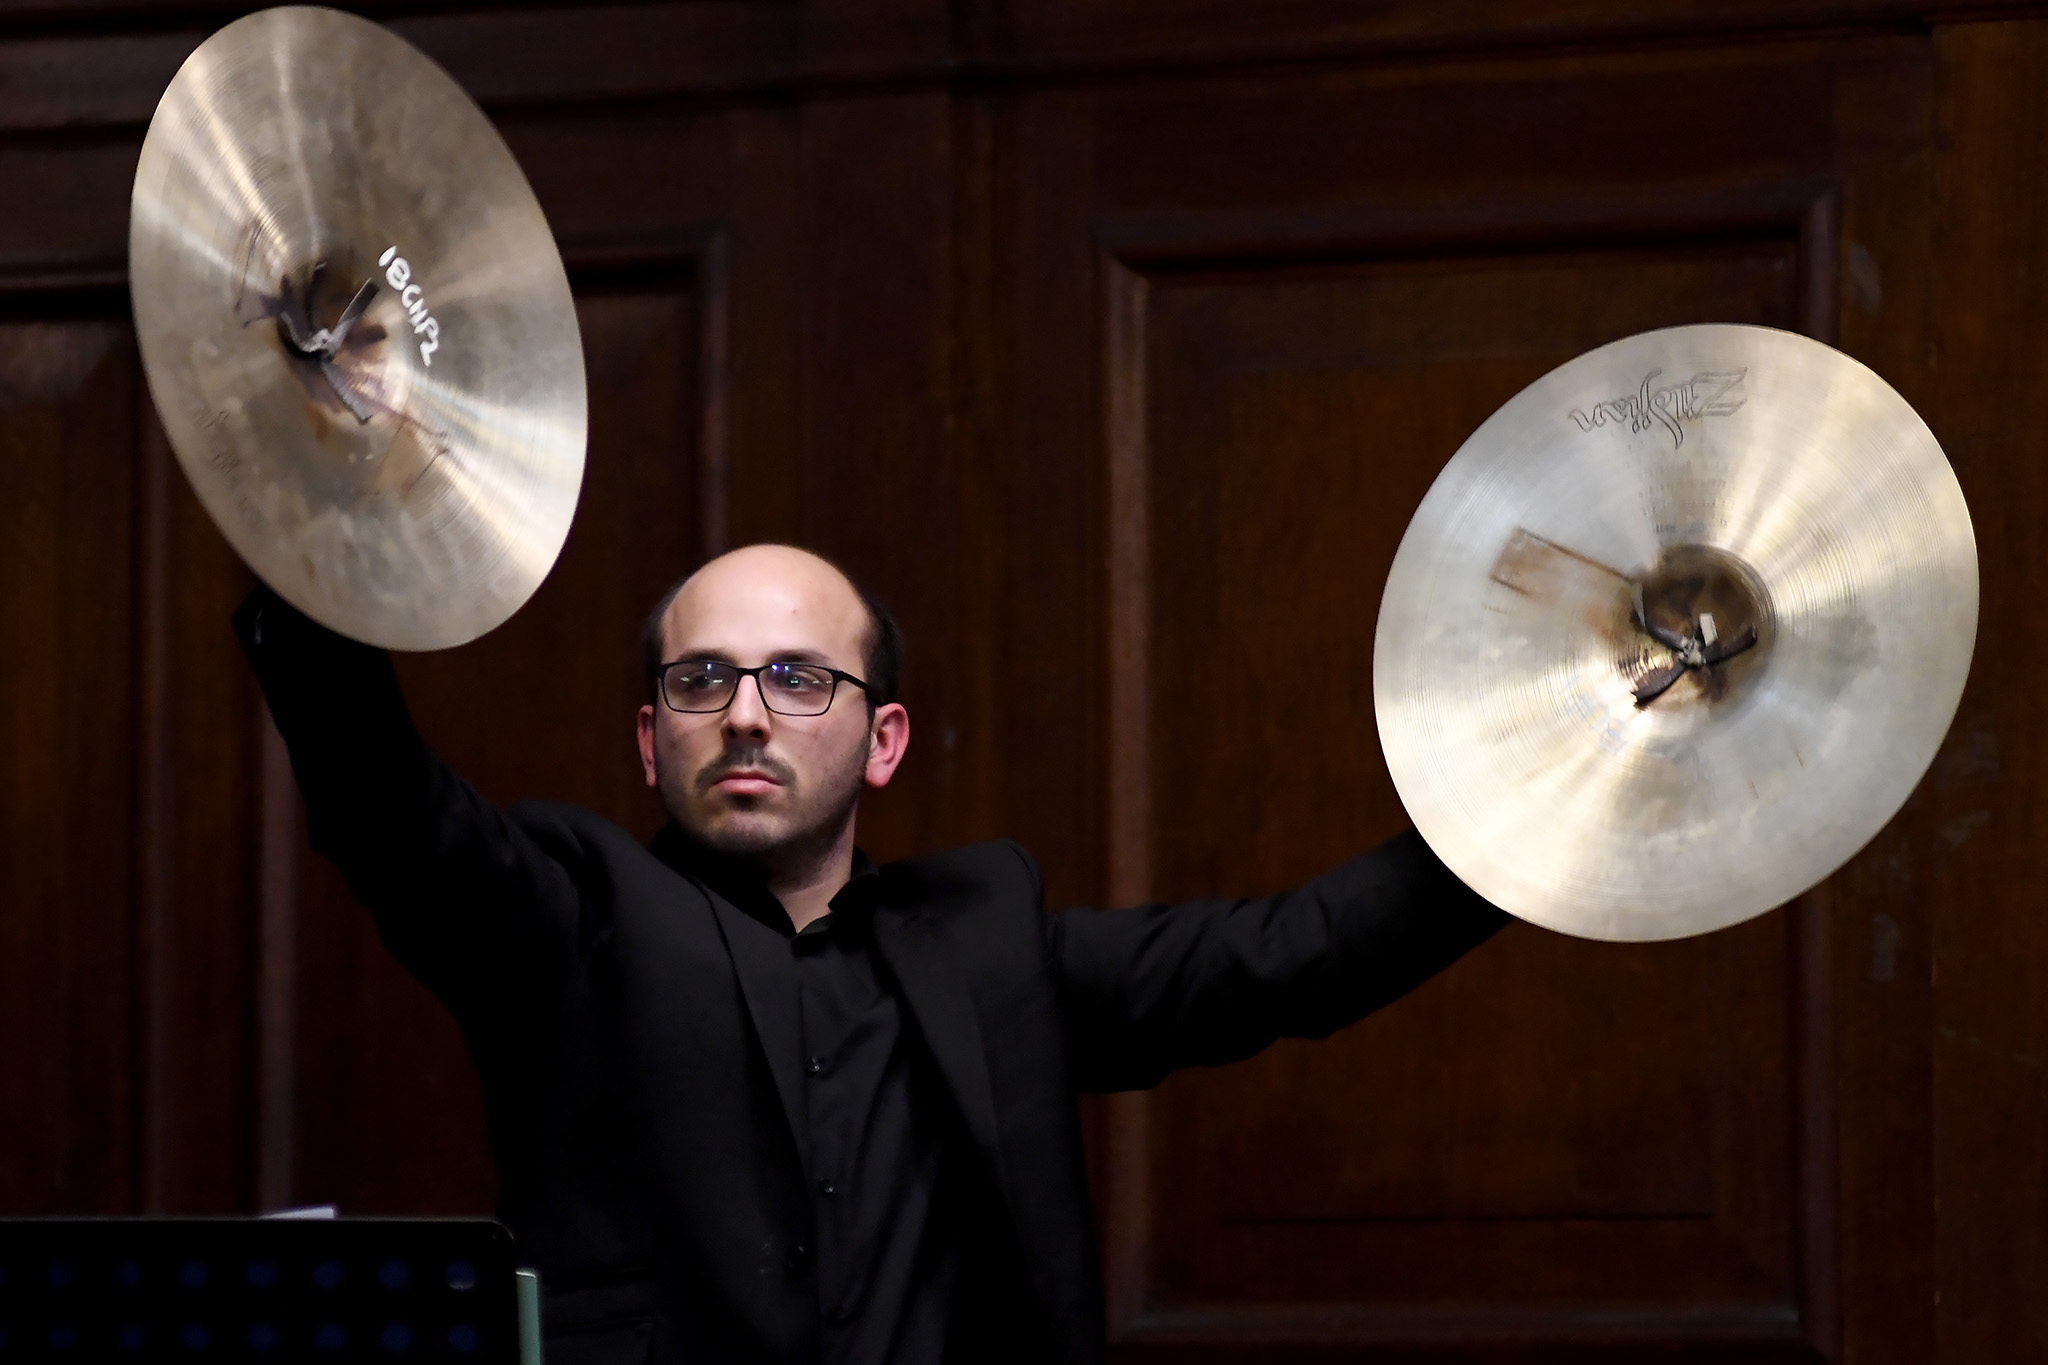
(357, 329)
(1675, 632)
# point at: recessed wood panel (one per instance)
(70, 1084)
(1971, 846)
(1555, 1130)
(199, 793)
(130, 753)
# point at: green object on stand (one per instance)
(529, 1316)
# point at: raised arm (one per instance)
(1157, 987)
(468, 901)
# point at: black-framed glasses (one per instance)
(701, 686)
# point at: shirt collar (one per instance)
(740, 882)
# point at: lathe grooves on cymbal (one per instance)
(1675, 632)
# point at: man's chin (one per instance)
(740, 835)
(764, 830)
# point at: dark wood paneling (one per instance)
(876, 486)
(79, 64)
(1083, 32)
(78, 233)
(200, 743)
(1301, 318)
(69, 410)
(130, 761)
(1883, 978)
(586, 53)
(1590, 1143)
(634, 196)
(388, 1116)
(1973, 847)
(505, 58)
(68, 83)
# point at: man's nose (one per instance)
(749, 713)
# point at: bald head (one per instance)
(778, 588)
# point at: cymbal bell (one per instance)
(1675, 632)
(357, 329)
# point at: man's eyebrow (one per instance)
(779, 656)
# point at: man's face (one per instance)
(748, 781)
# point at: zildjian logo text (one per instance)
(1714, 393)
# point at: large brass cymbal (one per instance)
(357, 329)
(1675, 632)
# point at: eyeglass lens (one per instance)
(788, 689)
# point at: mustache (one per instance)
(748, 760)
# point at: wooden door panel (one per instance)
(68, 416)
(1555, 1131)
(1558, 1147)
(129, 748)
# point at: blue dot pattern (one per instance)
(104, 1289)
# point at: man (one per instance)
(753, 1098)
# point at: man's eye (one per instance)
(699, 681)
(795, 680)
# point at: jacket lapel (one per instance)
(768, 980)
(937, 993)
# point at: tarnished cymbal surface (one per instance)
(357, 328)
(1675, 632)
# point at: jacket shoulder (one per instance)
(542, 816)
(999, 871)
(576, 836)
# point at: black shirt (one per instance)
(882, 1145)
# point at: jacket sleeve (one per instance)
(462, 896)
(1150, 989)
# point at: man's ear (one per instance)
(888, 740)
(646, 738)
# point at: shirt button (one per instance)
(815, 1067)
(841, 1315)
(799, 1257)
(827, 1188)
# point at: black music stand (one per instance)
(265, 1289)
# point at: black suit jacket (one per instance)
(635, 1032)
